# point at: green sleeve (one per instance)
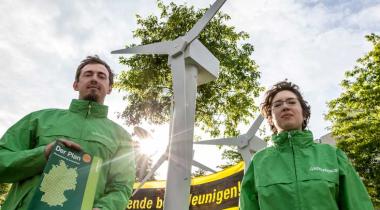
(120, 179)
(352, 192)
(248, 194)
(18, 157)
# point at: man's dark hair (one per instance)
(94, 60)
(266, 109)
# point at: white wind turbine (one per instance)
(247, 143)
(191, 64)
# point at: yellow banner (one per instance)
(219, 191)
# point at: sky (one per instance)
(309, 42)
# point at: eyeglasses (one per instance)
(280, 103)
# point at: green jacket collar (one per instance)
(295, 137)
(88, 108)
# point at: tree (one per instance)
(4, 188)
(199, 173)
(221, 104)
(231, 156)
(355, 117)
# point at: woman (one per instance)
(297, 173)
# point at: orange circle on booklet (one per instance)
(86, 158)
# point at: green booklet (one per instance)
(69, 180)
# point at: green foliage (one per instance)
(223, 103)
(198, 173)
(355, 117)
(4, 188)
(232, 156)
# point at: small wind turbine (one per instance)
(142, 132)
(247, 143)
(191, 64)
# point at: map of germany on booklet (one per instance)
(69, 180)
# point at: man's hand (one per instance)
(67, 143)
(95, 209)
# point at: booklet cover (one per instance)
(69, 180)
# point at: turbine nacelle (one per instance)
(208, 65)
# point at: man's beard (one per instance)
(91, 97)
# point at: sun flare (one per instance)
(154, 141)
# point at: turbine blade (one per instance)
(155, 48)
(151, 172)
(201, 24)
(255, 126)
(201, 166)
(225, 141)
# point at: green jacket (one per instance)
(298, 174)
(22, 152)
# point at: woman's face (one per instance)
(287, 112)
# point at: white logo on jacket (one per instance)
(316, 168)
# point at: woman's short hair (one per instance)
(266, 109)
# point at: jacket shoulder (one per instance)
(262, 154)
(36, 115)
(327, 148)
(49, 111)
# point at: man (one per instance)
(25, 146)
(297, 173)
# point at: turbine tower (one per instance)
(191, 64)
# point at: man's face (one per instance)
(93, 83)
(287, 112)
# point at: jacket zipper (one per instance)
(85, 120)
(88, 110)
(295, 170)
